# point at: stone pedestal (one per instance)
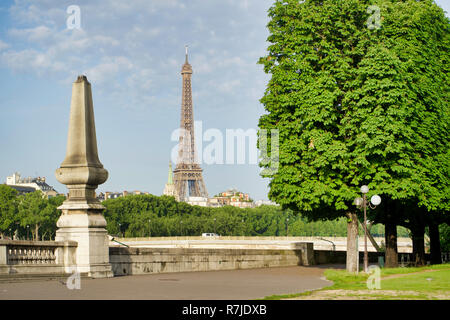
(87, 228)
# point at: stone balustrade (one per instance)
(37, 257)
(20, 254)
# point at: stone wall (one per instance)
(237, 242)
(339, 257)
(132, 261)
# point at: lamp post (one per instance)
(243, 227)
(363, 203)
(149, 229)
(287, 226)
(28, 229)
(214, 225)
(181, 223)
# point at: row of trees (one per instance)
(33, 216)
(145, 215)
(29, 216)
(359, 92)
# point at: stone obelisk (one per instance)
(81, 171)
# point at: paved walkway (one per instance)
(212, 285)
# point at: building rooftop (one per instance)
(22, 189)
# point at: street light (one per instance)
(214, 225)
(181, 222)
(149, 229)
(287, 226)
(362, 203)
(28, 229)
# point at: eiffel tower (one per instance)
(188, 178)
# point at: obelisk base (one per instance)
(87, 228)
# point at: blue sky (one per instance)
(131, 52)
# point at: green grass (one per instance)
(350, 281)
(438, 281)
(345, 280)
(402, 270)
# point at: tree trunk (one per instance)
(435, 244)
(369, 236)
(418, 231)
(352, 250)
(390, 238)
(36, 232)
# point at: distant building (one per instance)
(23, 185)
(198, 201)
(114, 195)
(259, 203)
(169, 189)
(22, 190)
(232, 197)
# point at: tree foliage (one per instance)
(357, 105)
(144, 215)
(8, 208)
(31, 215)
(149, 215)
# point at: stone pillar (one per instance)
(81, 171)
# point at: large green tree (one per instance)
(353, 98)
(416, 33)
(34, 212)
(49, 216)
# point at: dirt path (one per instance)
(373, 295)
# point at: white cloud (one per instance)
(31, 60)
(108, 70)
(229, 86)
(36, 34)
(3, 45)
(139, 44)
